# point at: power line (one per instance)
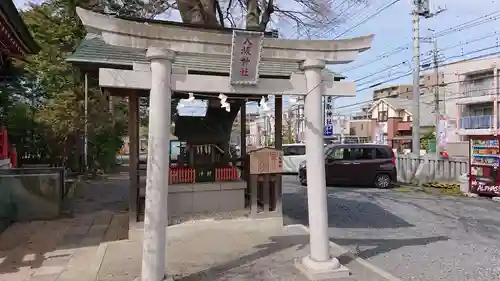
(338, 16)
(444, 32)
(445, 64)
(380, 10)
(331, 21)
(382, 70)
(469, 24)
(477, 39)
(380, 57)
(366, 102)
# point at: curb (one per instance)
(346, 252)
(441, 185)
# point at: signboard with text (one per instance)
(266, 161)
(328, 131)
(245, 57)
(328, 113)
(485, 187)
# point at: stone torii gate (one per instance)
(165, 43)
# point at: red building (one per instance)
(391, 121)
(15, 42)
(15, 39)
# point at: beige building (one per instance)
(403, 91)
(467, 93)
(361, 128)
(361, 124)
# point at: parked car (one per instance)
(293, 155)
(357, 165)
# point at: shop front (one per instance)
(484, 165)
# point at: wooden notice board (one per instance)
(266, 161)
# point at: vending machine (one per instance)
(484, 165)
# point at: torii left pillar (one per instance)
(155, 213)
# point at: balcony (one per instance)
(403, 126)
(476, 122)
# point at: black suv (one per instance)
(357, 164)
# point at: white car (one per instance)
(293, 155)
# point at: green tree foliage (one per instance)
(44, 108)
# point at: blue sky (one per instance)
(392, 29)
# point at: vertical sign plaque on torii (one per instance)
(246, 50)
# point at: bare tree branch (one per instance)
(266, 16)
(219, 12)
(308, 17)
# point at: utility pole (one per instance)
(416, 13)
(436, 105)
(421, 8)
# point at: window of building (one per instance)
(383, 116)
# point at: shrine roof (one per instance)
(16, 27)
(93, 52)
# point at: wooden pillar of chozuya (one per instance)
(266, 166)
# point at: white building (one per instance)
(469, 95)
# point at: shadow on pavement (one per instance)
(241, 268)
(277, 244)
(342, 213)
(381, 246)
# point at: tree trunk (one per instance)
(202, 12)
(253, 15)
(216, 126)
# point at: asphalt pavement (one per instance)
(413, 235)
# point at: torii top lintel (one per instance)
(181, 39)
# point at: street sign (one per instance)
(328, 130)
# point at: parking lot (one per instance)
(413, 235)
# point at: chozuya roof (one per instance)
(189, 40)
(16, 27)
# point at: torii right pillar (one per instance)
(319, 264)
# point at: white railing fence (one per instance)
(424, 169)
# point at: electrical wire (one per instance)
(380, 83)
(439, 65)
(469, 24)
(381, 71)
(467, 42)
(380, 10)
(332, 21)
(457, 28)
(366, 102)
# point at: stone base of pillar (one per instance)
(327, 270)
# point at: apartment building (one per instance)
(403, 91)
(469, 97)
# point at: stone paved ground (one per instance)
(63, 249)
(223, 255)
(414, 236)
